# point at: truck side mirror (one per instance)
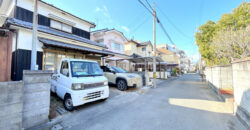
(66, 72)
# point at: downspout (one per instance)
(15, 60)
(15, 65)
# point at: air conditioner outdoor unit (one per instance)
(6, 6)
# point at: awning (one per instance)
(48, 42)
(144, 59)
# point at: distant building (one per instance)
(169, 57)
(115, 42)
(138, 49)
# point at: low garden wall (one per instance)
(36, 97)
(25, 104)
(235, 77)
(241, 83)
(11, 105)
(220, 78)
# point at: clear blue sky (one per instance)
(179, 17)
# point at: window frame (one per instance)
(61, 26)
(62, 68)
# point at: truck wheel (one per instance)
(121, 84)
(68, 103)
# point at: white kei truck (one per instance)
(78, 82)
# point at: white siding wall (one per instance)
(25, 40)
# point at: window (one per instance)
(100, 41)
(70, 56)
(23, 14)
(65, 68)
(80, 33)
(149, 53)
(59, 58)
(143, 49)
(66, 28)
(117, 47)
(50, 61)
(60, 26)
(118, 70)
(27, 16)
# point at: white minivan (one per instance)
(78, 82)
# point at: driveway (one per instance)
(184, 103)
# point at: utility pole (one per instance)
(34, 38)
(202, 74)
(154, 40)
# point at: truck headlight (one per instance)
(105, 83)
(77, 86)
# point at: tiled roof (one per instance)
(71, 46)
(49, 30)
(145, 43)
(67, 12)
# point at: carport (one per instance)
(144, 66)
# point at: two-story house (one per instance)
(138, 49)
(115, 42)
(170, 56)
(60, 34)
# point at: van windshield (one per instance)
(84, 69)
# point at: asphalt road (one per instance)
(184, 103)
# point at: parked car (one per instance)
(78, 82)
(121, 78)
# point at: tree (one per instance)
(204, 37)
(228, 38)
(232, 43)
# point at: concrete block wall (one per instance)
(241, 83)
(11, 105)
(220, 77)
(36, 97)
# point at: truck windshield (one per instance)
(84, 69)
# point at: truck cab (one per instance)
(78, 82)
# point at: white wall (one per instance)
(25, 40)
(109, 37)
(45, 10)
(241, 83)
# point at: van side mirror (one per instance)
(113, 72)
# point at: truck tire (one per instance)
(67, 103)
(121, 85)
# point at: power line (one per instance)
(170, 21)
(150, 11)
(162, 27)
(149, 5)
(139, 26)
(166, 33)
(143, 14)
